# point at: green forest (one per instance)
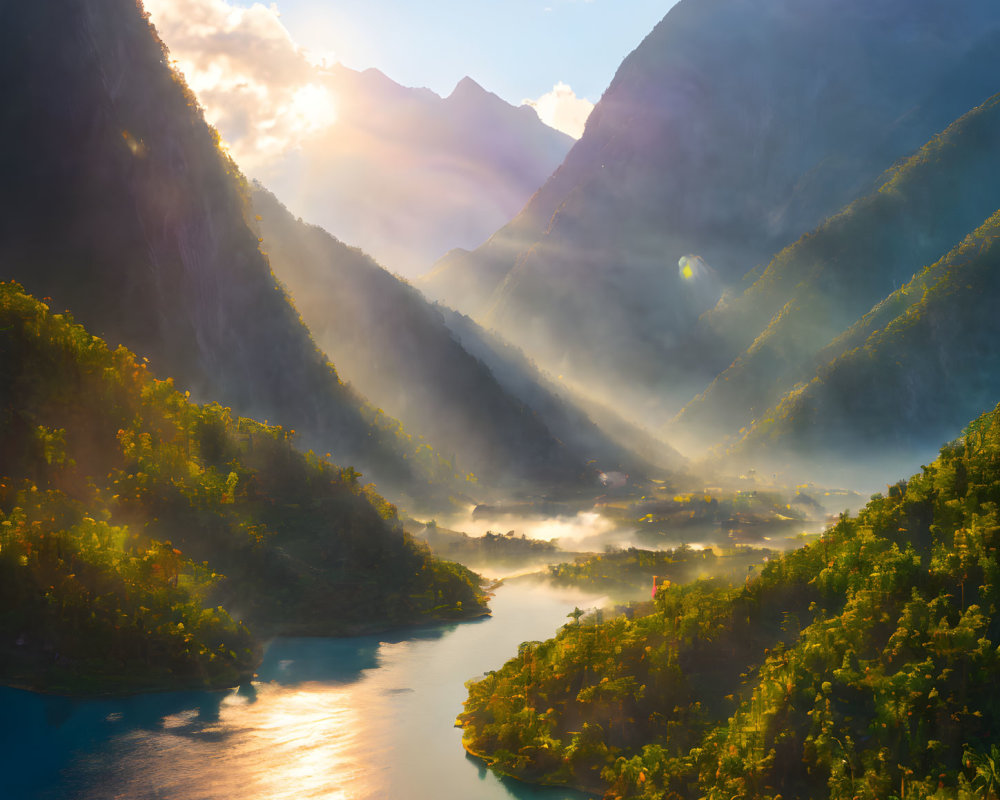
(938, 330)
(873, 331)
(763, 281)
(766, 339)
(150, 542)
(630, 570)
(493, 548)
(860, 666)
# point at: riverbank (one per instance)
(357, 718)
(592, 791)
(64, 680)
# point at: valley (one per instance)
(676, 476)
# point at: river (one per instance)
(361, 718)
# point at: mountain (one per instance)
(901, 375)
(407, 175)
(583, 425)
(136, 527)
(732, 129)
(119, 205)
(817, 288)
(405, 354)
(860, 665)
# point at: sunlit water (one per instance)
(338, 719)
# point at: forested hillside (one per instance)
(773, 334)
(861, 666)
(903, 373)
(140, 533)
(120, 206)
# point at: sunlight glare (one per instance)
(299, 743)
(312, 109)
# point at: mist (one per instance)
(401, 172)
(657, 397)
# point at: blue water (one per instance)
(338, 719)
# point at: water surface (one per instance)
(338, 719)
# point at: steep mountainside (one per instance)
(905, 373)
(732, 129)
(394, 346)
(119, 205)
(135, 526)
(861, 666)
(407, 175)
(814, 290)
(585, 426)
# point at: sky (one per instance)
(263, 73)
(557, 55)
(518, 49)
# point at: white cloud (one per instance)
(563, 110)
(367, 159)
(263, 92)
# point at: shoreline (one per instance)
(25, 684)
(592, 791)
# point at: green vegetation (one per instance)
(141, 230)
(631, 570)
(493, 548)
(394, 346)
(716, 515)
(923, 360)
(136, 526)
(861, 666)
(814, 290)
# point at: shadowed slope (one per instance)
(119, 205)
(733, 128)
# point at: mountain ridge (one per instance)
(818, 287)
(409, 357)
(408, 175)
(920, 360)
(826, 99)
(121, 207)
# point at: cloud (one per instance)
(562, 109)
(380, 166)
(262, 91)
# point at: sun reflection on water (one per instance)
(288, 742)
(355, 719)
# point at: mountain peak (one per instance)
(467, 88)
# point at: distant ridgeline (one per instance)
(861, 666)
(136, 526)
(645, 268)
